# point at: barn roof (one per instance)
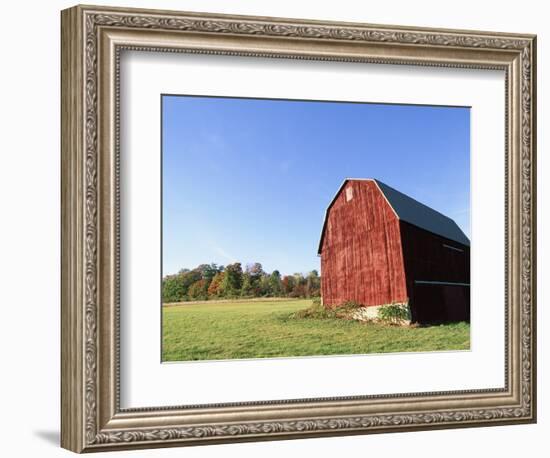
(411, 211)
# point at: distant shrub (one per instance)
(394, 313)
(319, 311)
(315, 310)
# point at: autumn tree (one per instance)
(198, 290)
(232, 280)
(188, 278)
(247, 288)
(288, 284)
(275, 285)
(264, 286)
(256, 272)
(313, 284)
(299, 289)
(214, 287)
(172, 289)
(208, 271)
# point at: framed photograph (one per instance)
(279, 228)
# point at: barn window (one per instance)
(349, 193)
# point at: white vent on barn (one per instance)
(349, 193)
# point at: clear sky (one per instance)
(249, 179)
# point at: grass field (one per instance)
(267, 329)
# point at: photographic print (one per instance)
(306, 228)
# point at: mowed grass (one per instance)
(267, 329)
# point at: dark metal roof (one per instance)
(411, 211)
(420, 215)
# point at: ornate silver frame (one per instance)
(92, 39)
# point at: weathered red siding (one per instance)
(361, 255)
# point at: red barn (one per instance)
(379, 246)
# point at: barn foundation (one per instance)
(372, 313)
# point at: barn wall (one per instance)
(427, 257)
(361, 257)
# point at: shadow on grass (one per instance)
(438, 323)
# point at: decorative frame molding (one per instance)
(92, 39)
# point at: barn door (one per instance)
(440, 302)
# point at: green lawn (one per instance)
(266, 329)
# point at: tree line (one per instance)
(210, 281)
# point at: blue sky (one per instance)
(249, 179)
